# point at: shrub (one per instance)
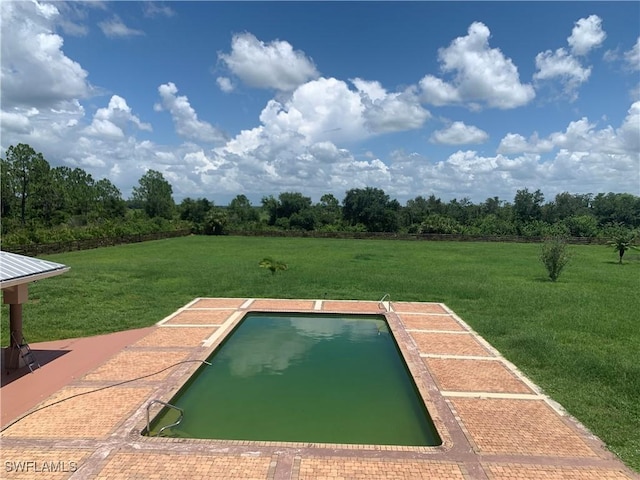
(272, 265)
(554, 256)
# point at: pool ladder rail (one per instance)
(386, 306)
(171, 425)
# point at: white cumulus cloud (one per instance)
(586, 35)
(16, 122)
(561, 64)
(35, 71)
(225, 84)
(322, 109)
(184, 116)
(459, 134)
(632, 57)
(390, 112)
(268, 65)
(110, 122)
(584, 136)
(564, 65)
(514, 143)
(481, 75)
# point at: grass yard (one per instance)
(578, 338)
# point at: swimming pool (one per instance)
(321, 378)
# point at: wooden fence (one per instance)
(423, 236)
(60, 247)
(89, 243)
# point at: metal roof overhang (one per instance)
(17, 269)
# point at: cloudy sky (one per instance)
(456, 99)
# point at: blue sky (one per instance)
(456, 99)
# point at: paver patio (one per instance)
(495, 424)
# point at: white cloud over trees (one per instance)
(309, 134)
(566, 66)
(273, 65)
(184, 116)
(482, 76)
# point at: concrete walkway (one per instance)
(494, 422)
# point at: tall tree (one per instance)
(292, 202)
(617, 208)
(527, 206)
(241, 210)
(328, 211)
(26, 170)
(290, 209)
(109, 200)
(8, 199)
(79, 190)
(194, 210)
(415, 211)
(372, 208)
(155, 195)
(270, 206)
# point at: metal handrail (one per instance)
(381, 304)
(174, 424)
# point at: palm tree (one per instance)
(272, 265)
(622, 242)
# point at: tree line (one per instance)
(40, 203)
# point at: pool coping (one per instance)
(452, 410)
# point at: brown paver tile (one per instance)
(449, 344)
(276, 304)
(542, 472)
(374, 469)
(88, 416)
(430, 322)
(474, 376)
(151, 466)
(219, 303)
(350, 306)
(526, 427)
(417, 307)
(134, 363)
(176, 337)
(200, 317)
(45, 464)
(494, 426)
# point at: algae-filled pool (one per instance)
(317, 378)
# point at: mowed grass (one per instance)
(578, 338)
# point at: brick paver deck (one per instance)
(472, 375)
(430, 322)
(449, 343)
(200, 317)
(494, 422)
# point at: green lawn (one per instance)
(578, 338)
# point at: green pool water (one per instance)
(304, 378)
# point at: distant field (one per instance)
(578, 338)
